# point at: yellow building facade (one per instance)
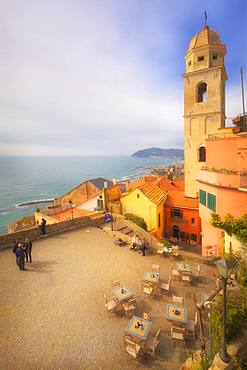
(204, 101)
(146, 202)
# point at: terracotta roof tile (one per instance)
(153, 192)
(166, 185)
(177, 199)
(140, 182)
(179, 184)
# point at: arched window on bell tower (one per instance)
(202, 154)
(202, 92)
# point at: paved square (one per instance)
(52, 316)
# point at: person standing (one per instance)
(20, 254)
(28, 249)
(42, 226)
(144, 247)
(14, 250)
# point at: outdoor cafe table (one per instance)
(184, 268)
(151, 277)
(138, 334)
(122, 293)
(176, 313)
(167, 250)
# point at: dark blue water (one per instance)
(26, 179)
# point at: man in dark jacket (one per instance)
(28, 250)
(42, 226)
(20, 254)
(14, 250)
(144, 247)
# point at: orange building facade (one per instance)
(182, 220)
(222, 184)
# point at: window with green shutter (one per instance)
(203, 198)
(212, 202)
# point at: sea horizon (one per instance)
(29, 178)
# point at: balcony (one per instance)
(223, 177)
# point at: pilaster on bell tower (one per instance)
(204, 101)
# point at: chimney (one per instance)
(105, 184)
(114, 181)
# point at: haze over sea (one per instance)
(25, 179)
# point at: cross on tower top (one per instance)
(205, 18)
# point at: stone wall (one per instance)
(7, 241)
(121, 221)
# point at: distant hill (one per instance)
(159, 152)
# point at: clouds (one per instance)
(97, 77)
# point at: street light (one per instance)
(225, 268)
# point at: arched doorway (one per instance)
(175, 231)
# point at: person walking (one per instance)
(28, 249)
(20, 254)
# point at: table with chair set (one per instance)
(123, 298)
(137, 337)
(183, 272)
(169, 250)
(151, 280)
(181, 324)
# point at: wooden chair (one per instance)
(191, 326)
(176, 335)
(111, 306)
(186, 279)
(129, 307)
(132, 348)
(175, 252)
(152, 343)
(165, 288)
(155, 268)
(160, 252)
(147, 288)
(115, 283)
(197, 273)
(179, 300)
(175, 274)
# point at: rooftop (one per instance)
(177, 199)
(205, 37)
(153, 192)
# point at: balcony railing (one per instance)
(224, 177)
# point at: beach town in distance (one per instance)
(123, 176)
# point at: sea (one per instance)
(27, 183)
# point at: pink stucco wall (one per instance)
(228, 152)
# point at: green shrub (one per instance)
(242, 273)
(236, 314)
(136, 219)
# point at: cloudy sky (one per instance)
(92, 77)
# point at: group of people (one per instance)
(139, 244)
(23, 252)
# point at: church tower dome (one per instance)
(205, 50)
(205, 37)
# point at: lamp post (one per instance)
(225, 268)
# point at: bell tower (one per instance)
(204, 101)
